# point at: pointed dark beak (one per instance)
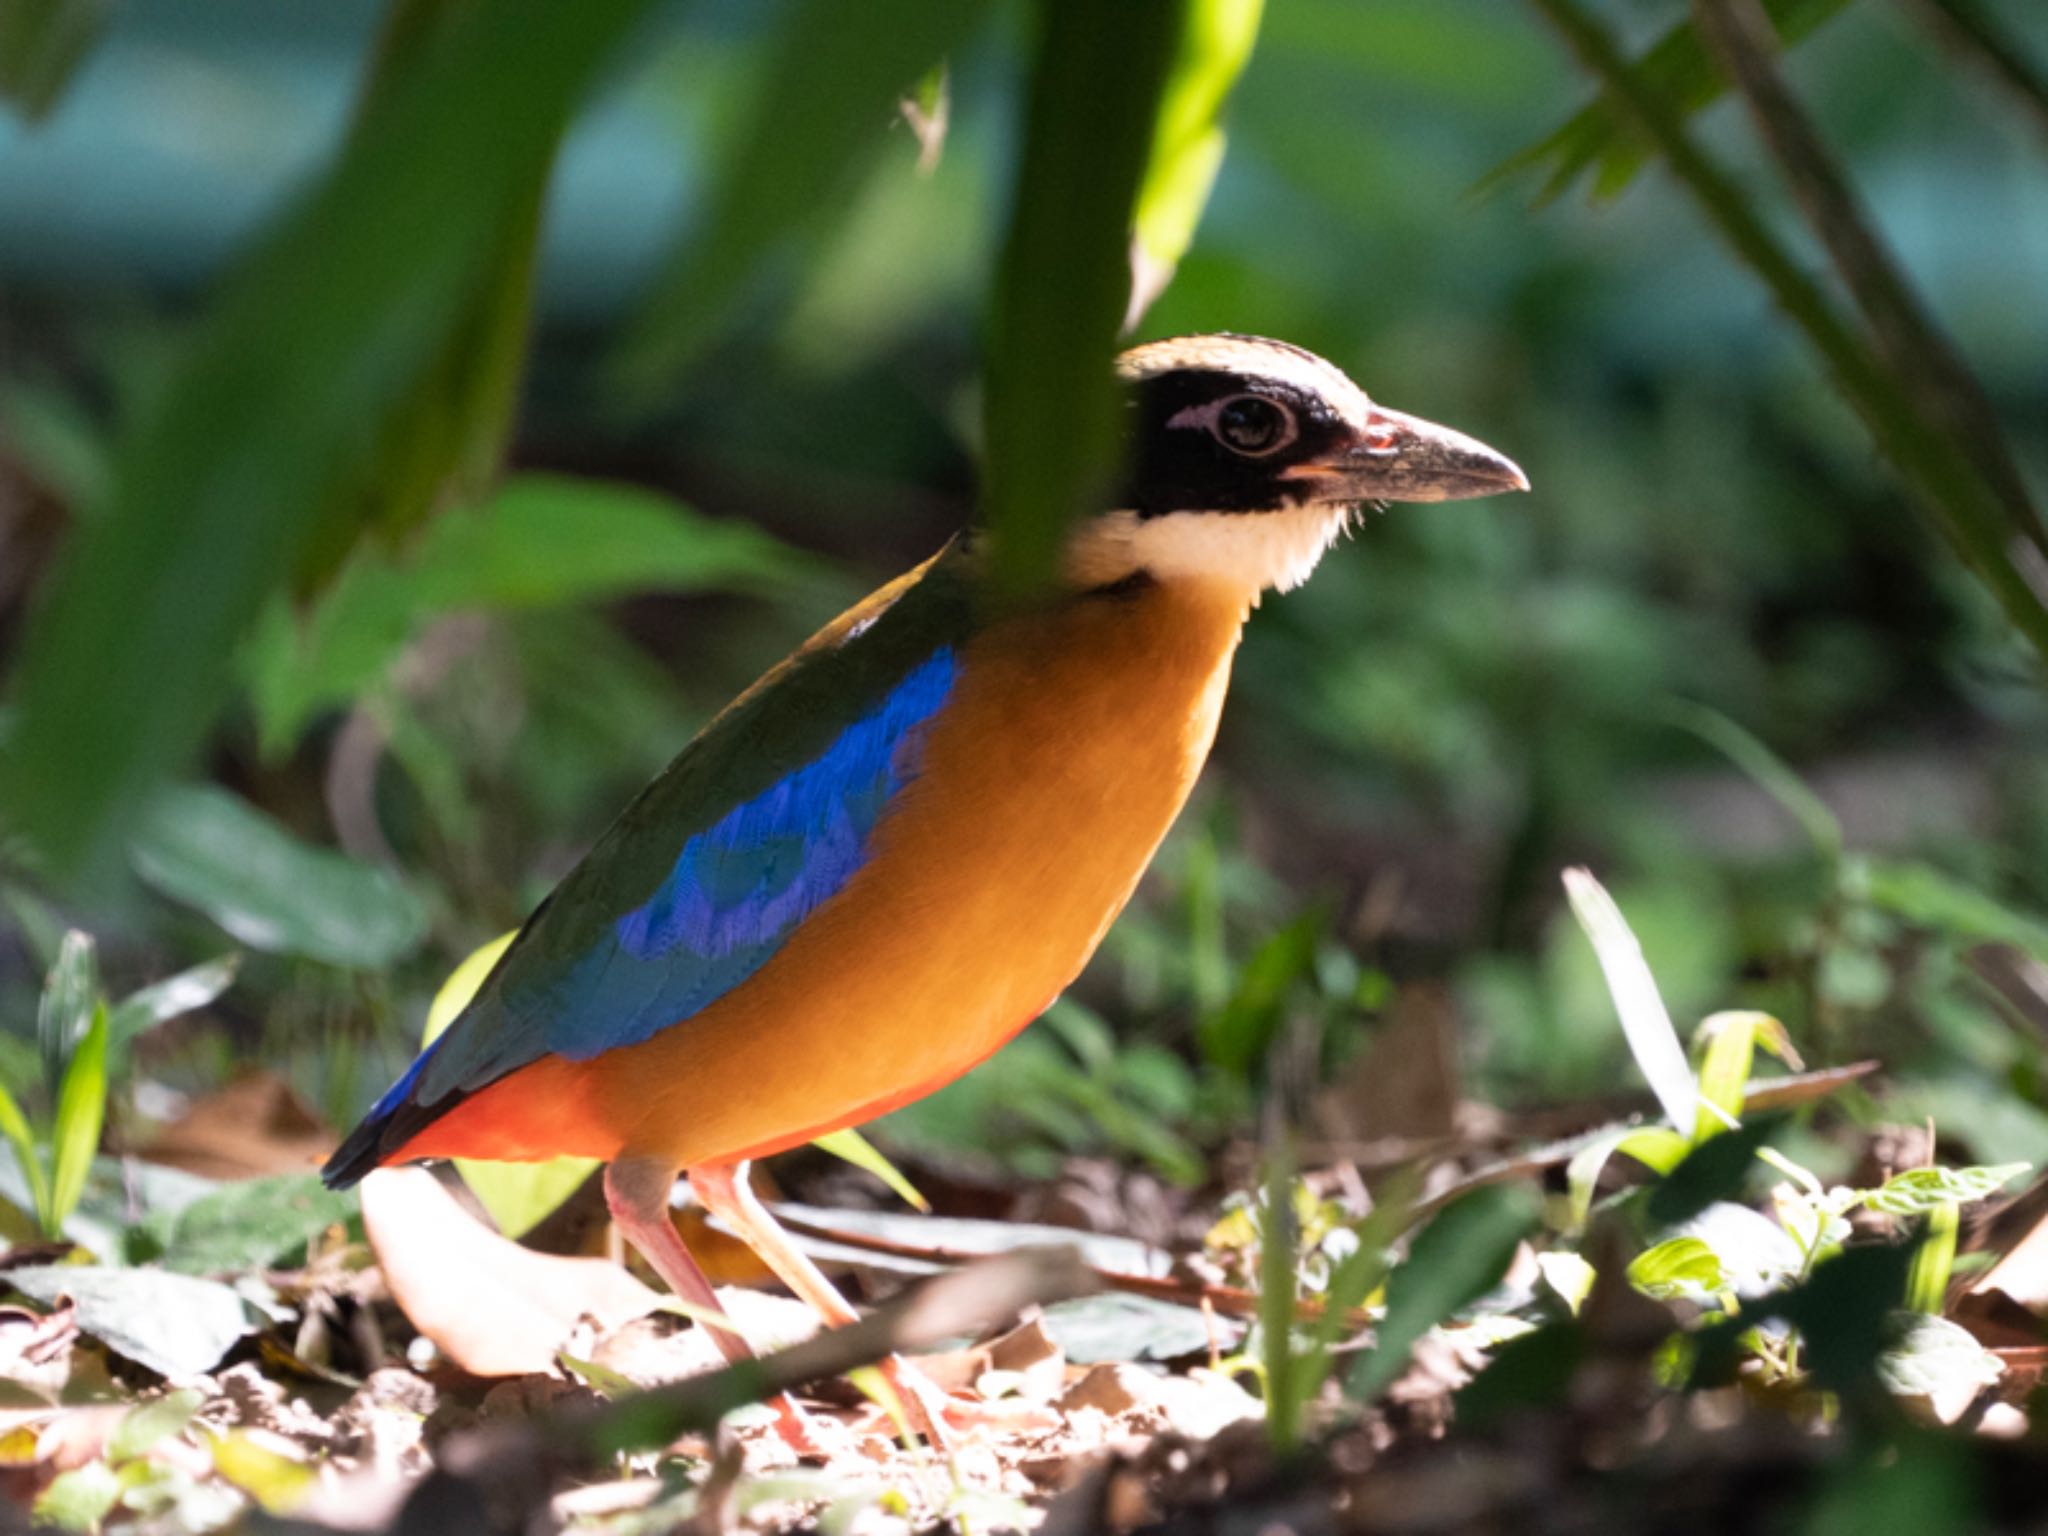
(1404, 458)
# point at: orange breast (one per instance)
(1067, 748)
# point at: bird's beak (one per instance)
(1404, 458)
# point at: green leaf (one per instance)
(1455, 1260)
(15, 1127)
(601, 1379)
(148, 1424)
(1599, 139)
(1187, 141)
(1729, 1042)
(177, 1325)
(80, 1499)
(1713, 1171)
(822, 109)
(1644, 1021)
(1679, 1268)
(1063, 283)
(541, 541)
(1235, 1037)
(186, 992)
(211, 850)
(278, 397)
(42, 42)
(1656, 1147)
(65, 1010)
(75, 1130)
(1931, 1355)
(1112, 1326)
(859, 1151)
(251, 1224)
(1920, 1190)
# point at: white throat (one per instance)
(1255, 550)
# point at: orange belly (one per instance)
(1069, 745)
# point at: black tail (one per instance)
(392, 1122)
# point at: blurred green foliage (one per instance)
(759, 309)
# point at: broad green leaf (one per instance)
(1644, 1021)
(821, 111)
(209, 849)
(1931, 1355)
(1455, 1260)
(1727, 1044)
(1934, 1261)
(279, 395)
(251, 1224)
(541, 541)
(277, 1482)
(64, 1012)
(147, 1424)
(1656, 1147)
(1063, 282)
(186, 992)
(1187, 141)
(1599, 138)
(15, 1127)
(1920, 1190)
(42, 42)
(1679, 1269)
(75, 1129)
(177, 1325)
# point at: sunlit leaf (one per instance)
(1656, 1147)
(1920, 1190)
(205, 847)
(1679, 1268)
(15, 1127)
(147, 1424)
(821, 110)
(277, 1482)
(1727, 1044)
(1187, 143)
(177, 1325)
(859, 1151)
(1644, 1021)
(1931, 1356)
(1934, 1261)
(75, 1128)
(1063, 283)
(314, 342)
(78, 1500)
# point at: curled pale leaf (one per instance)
(1644, 1020)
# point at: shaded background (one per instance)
(1465, 698)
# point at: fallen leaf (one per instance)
(493, 1307)
(255, 1125)
(177, 1325)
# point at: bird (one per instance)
(896, 848)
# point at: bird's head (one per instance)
(1244, 458)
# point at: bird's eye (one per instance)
(1252, 424)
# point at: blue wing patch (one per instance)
(740, 887)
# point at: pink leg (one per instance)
(726, 1194)
(637, 1193)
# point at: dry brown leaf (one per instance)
(255, 1126)
(493, 1307)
